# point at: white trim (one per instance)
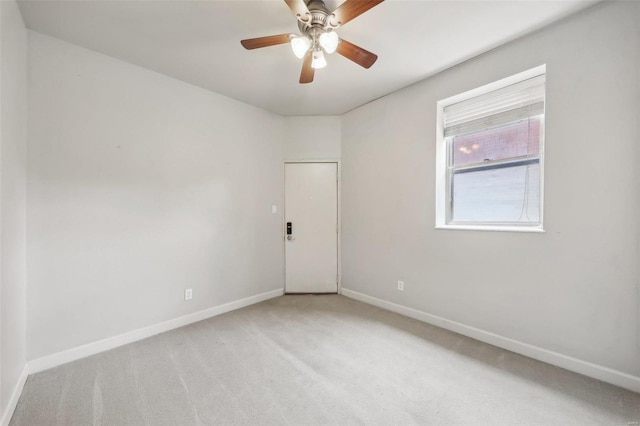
(441, 169)
(15, 396)
(595, 371)
(93, 348)
(306, 160)
(339, 224)
(490, 87)
(534, 229)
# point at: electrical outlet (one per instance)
(401, 285)
(188, 294)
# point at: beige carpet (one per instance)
(316, 360)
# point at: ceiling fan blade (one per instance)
(351, 9)
(299, 9)
(306, 75)
(255, 43)
(357, 54)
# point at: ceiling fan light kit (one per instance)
(317, 35)
(318, 60)
(300, 45)
(329, 41)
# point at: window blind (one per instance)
(518, 101)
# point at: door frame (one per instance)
(339, 219)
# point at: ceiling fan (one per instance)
(317, 34)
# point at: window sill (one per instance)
(533, 229)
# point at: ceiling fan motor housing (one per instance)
(319, 16)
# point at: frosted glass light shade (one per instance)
(300, 45)
(318, 60)
(329, 41)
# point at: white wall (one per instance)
(572, 290)
(141, 186)
(13, 105)
(312, 138)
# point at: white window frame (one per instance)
(442, 157)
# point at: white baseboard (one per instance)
(599, 372)
(93, 348)
(15, 396)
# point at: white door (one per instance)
(311, 232)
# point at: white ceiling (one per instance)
(199, 42)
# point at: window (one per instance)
(490, 156)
